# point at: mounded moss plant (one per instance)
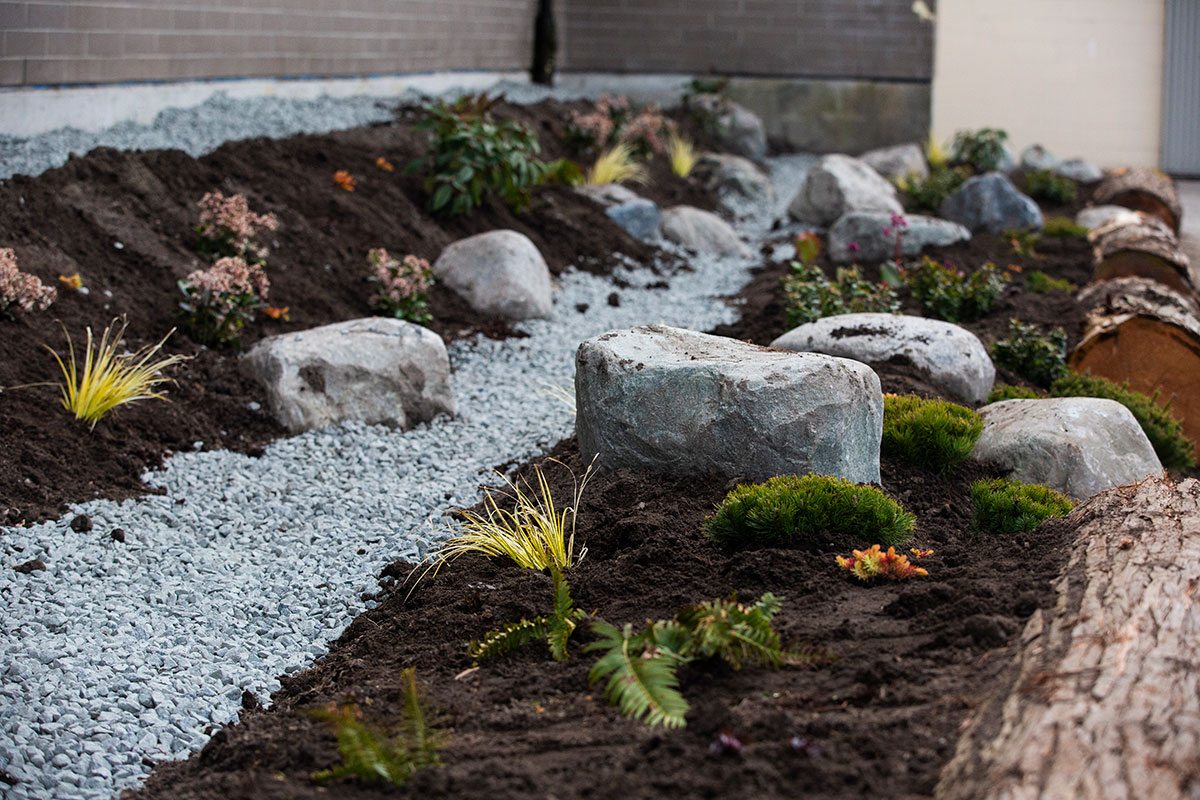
(1164, 431)
(1039, 282)
(933, 434)
(787, 507)
(1006, 507)
(1064, 228)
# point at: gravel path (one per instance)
(119, 654)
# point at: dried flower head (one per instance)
(19, 289)
(875, 563)
(344, 180)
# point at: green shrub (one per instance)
(1042, 184)
(928, 194)
(1039, 282)
(981, 151)
(788, 506)
(946, 293)
(1063, 228)
(1163, 430)
(1038, 358)
(930, 433)
(809, 295)
(1023, 242)
(473, 157)
(1003, 391)
(1007, 507)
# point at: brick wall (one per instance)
(863, 39)
(100, 41)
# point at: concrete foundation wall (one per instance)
(1082, 77)
(106, 41)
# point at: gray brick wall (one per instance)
(100, 41)
(801, 38)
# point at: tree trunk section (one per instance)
(1148, 249)
(1103, 698)
(1142, 190)
(1141, 332)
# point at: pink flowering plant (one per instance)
(898, 227)
(612, 121)
(220, 300)
(19, 289)
(401, 286)
(229, 229)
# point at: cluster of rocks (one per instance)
(684, 403)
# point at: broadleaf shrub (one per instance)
(790, 507)
(928, 193)
(1005, 507)
(1042, 184)
(949, 294)
(401, 286)
(981, 150)
(933, 434)
(1037, 357)
(809, 295)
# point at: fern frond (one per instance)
(642, 683)
(565, 618)
(734, 633)
(506, 639)
(418, 728)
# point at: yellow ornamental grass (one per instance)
(683, 155)
(109, 380)
(617, 165)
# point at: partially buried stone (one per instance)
(30, 566)
(81, 523)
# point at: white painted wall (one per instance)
(1081, 77)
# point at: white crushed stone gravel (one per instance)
(120, 654)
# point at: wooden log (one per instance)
(1142, 190)
(1145, 249)
(1144, 333)
(1103, 698)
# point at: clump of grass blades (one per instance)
(371, 754)
(616, 165)
(1039, 282)
(933, 434)
(785, 507)
(683, 155)
(109, 379)
(1006, 507)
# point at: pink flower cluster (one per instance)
(227, 283)
(646, 130)
(230, 220)
(598, 124)
(899, 223)
(20, 289)
(399, 280)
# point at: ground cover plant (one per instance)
(935, 434)
(1042, 184)
(872, 563)
(1004, 507)
(1040, 358)
(809, 295)
(947, 293)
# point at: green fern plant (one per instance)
(787, 507)
(933, 434)
(371, 754)
(556, 629)
(642, 668)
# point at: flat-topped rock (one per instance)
(991, 203)
(867, 230)
(499, 273)
(837, 184)
(376, 370)
(1076, 445)
(686, 403)
(953, 358)
(702, 231)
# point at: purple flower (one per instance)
(899, 221)
(887, 230)
(853, 247)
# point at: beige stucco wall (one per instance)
(1082, 77)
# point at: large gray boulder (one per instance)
(837, 184)
(898, 161)
(499, 273)
(954, 359)
(991, 203)
(375, 370)
(702, 231)
(736, 128)
(737, 181)
(866, 229)
(686, 403)
(1094, 217)
(1077, 445)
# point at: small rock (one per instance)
(702, 231)
(1037, 157)
(34, 565)
(81, 523)
(639, 218)
(608, 194)
(866, 229)
(734, 177)
(118, 535)
(736, 128)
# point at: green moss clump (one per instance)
(1039, 282)
(933, 434)
(1003, 391)
(1164, 431)
(1006, 507)
(1064, 228)
(775, 513)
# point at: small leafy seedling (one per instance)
(809, 295)
(1023, 243)
(789, 507)
(874, 562)
(1005, 507)
(1038, 358)
(949, 294)
(933, 434)
(928, 193)
(374, 755)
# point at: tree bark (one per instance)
(1103, 697)
(1141, 332)
(1147, 249)
(1142, 190)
